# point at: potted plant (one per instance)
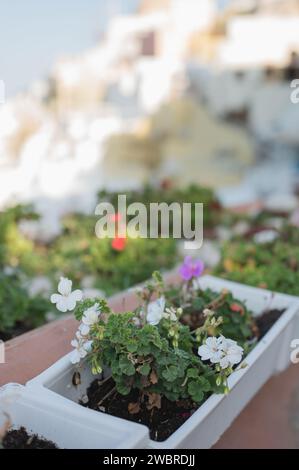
(30, 421)
(176, 363)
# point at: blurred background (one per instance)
(144, 96)
(203, 87)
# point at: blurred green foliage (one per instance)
(18, 311)
(79, 253)
(273, 266)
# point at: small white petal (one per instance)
(75, 357)
(235, 358)
(224, 363)
(82, 352)
(216, 357)
(84, 329)
(74, 343)
(77, 295)
(204, 352)
(88, 346)
(155, 311)
(62, 304)
(55, 298)
(152, 319)
(65, 286)
(70, 302)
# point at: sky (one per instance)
(35, 33)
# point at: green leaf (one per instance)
(192, 373)
(123, 389)
(195, 391)
(145, 369)
(171, 373)
(126, 366)
(132, 347)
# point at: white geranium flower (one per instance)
(90, 317)
(211, 350)
(82, 348)
(77, 355)
(155, 311)
(232, 353)
(84, 329)
(223, 351)
(66, 299)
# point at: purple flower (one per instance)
(191, 268)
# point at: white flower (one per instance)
(82, 348)
(90, 317)
(155, 311)
(66, 299)
(232, 353)
(223, 351)
(77, 355)
(211, 350)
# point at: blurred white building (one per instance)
(259, 41)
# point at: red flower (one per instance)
(115, 217)
(236, 308)
(119, 244)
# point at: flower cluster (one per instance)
(82, 343)
(222, 351)
(82, 347)
(66, 300)
(153, 348)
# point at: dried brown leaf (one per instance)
(134, 408)
(154, 401)
(153, 377)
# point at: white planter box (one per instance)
(67, 427)
(208, 423)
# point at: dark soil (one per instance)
(266, 321)
(103, 397)
(161, 422)
(20, 439)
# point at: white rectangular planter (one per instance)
(208, 423)
(68, 428)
